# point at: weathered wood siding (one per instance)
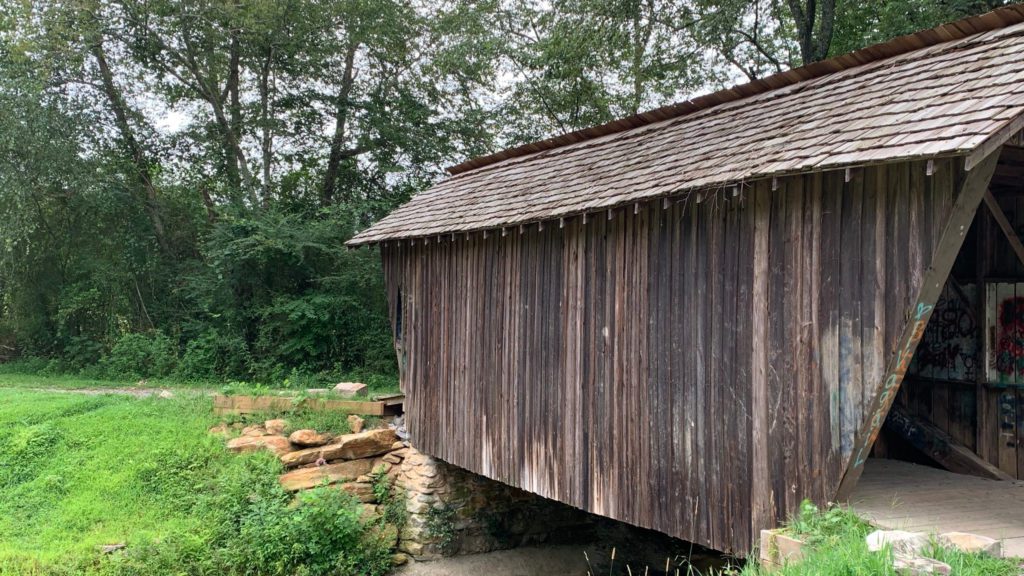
(696, 367)
(955, 381)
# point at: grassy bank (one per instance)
(838, 547)
(78, 472)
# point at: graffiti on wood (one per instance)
(1005, 334)
(948, 349)
(922, 313)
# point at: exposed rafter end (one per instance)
(994, 142)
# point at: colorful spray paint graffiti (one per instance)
(885, 399)
(1008, 352)
(1004, 333)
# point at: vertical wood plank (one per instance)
(851, 290)
(761, 492)
(969, 197)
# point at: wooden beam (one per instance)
(959, 221)
(941, 447)
(982, 257)
(255, 404)
(1004, 225)
(994, 143)
(762, 505)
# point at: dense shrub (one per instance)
(214, 355)
(141, 355)
(254, 529)
(260, 296)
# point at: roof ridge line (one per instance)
(996, 19)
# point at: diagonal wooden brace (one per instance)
(972, 190)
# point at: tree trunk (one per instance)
(131, 144)
(267, 139)
(340, 120)
(235, 109)
(814, 33)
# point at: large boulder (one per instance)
(276, 426)
(279, 445)
(305, 478)
(347, 447)
(308, 438)
(350, 389)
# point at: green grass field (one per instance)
(80, 471)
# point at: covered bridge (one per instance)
(692, 319)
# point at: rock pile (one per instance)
(316, 458)
(449, 510)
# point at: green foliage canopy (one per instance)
(177, 179)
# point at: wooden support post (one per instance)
(761, 505)
(962, 213)
(1004, 225)
(982, 430)
(940, 446)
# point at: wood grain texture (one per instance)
(684, 366)
(924, 288)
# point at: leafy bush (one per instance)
(440, 526)
(253, 528)
(138, 355)
(25, 365)
(214, 355)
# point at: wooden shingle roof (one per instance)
(954, 90)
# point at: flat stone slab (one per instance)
(310, 438)
(971, 543)
(350, 389)
(305, 478)
(347, 447)
(279, 445)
